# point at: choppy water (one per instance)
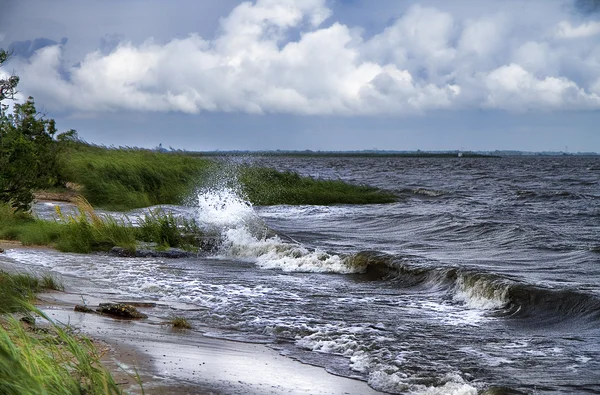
(485, 274)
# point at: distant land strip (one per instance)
(384, 154)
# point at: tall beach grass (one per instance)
(265, 186)
(127, 178)
(43, 360)
(87, 231)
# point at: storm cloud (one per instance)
(295, 57)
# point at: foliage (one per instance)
(8, 86)
(180, 322)
(86, 231)
(16, 289)
(264, 186)
(127, 178)
(49, 360)
(167, 230)
(28, 148)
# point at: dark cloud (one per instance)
(588, 6)
(26, 49)
(110, 42)
(390, 68)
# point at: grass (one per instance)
(180, 322)
(87, 231)
(167, 230)
(48, 360)
(15, 289)
(127, 178)
(264, 186)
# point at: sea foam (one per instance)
(245, 236)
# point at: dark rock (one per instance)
(1, 250)
(208, 243)
(140, 304)
(28, 320)
(143, 253)
(122, 252)
(83, 309)
(120, 310)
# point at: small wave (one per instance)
(551, 195)
(552, 305)
(480, 292)
(423, 192)
(387, 376)
(274, 253)
(499, 295)
(395, 382)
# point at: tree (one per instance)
(8, 87)
(28, 148)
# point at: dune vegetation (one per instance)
(86, 231)
(265, 186)
(126, 178)
(45, 359)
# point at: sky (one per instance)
(313, 74)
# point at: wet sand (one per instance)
(179, 361)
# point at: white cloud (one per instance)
(425, 60)
(566, 30)
(512, 87)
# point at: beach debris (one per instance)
(29, 320)
(120, 310)
(83, 309)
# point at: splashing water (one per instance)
(220, 209)
(245, 236)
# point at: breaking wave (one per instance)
(475, 289)
(244, 235)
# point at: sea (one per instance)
(482, 278)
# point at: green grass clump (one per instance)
(264, 186)
(180, 322)
(48, 360)
(18, 289)
(51, 361)
(127, 178)
(21, 226)
(15, 290)
(48, 281)
(167, 230)
(87, 231)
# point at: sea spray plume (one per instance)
(222, 207)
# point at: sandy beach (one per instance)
(178, 361)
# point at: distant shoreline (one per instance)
(343, 154)
(388, 154)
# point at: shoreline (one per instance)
(176, 361)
